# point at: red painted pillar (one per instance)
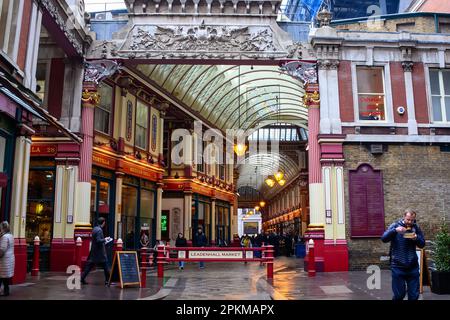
(312, 262)
(160, 260)
(35, 270)
(269, 261)
(78, 245)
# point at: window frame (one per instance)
(442, 95)
(111, 112)
(385, 76)
(139, 101)
(11, 18)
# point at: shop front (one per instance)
(103, 198)
(223, 225)
(40, 209)
(138, 212)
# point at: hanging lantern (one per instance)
(240, 149)
(262, 204)
(270, 182)
(282, 182)
(279, 175)
(256, 208)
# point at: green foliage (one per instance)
(441, 254)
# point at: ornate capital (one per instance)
(407, 66)
(304, 71)
(311, 98)
(331, 64)
(90, 98)
(96, 71)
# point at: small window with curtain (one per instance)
(104, 110)
(141, 140)
(371, 98)
(440, 94)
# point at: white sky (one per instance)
(106, 5)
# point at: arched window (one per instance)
(366, 202)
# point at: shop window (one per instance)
(40, 205)
(371, 98)
(104, 111)
(366, 202)
(146, 209)
(440, 94)
(141, 140)
(129, 211)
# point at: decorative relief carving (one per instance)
(201, 41)
(295, 50)
(304, 71)
(96, 71)
(211, 38)
(64, 24)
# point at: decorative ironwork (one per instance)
(304, 71)
(96, 71)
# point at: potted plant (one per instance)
(440, 274)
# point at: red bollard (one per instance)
(269, 261)
(119, 244)
(144, 267)
(78, 245)
(160, 259)
(311, 259)
(35, 270)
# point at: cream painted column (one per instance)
(58, 206)
(187, 217)
(333, 179)
(159, 192)
(412, 122)
(71, 181)
(118, 217)
(213, 221)
(20, 187)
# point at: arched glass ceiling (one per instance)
(231, 96)
(256, 168)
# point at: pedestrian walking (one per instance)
(97, 255)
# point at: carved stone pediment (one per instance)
(195, 41)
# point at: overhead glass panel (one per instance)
(231, 96)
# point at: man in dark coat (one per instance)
(200, 241)
(97, 256)
(404, 236)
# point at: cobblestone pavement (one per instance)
(218, 281)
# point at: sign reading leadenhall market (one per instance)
(194, 29)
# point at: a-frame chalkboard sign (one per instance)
(125, 268)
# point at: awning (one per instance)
(20, 102)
